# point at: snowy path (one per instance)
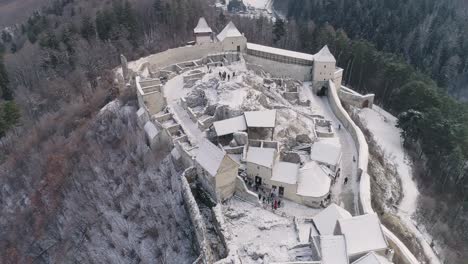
(194, 134)
(343, 195)
(382, 126)
(173, 91)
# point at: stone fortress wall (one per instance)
(365, 206)
(167, 59)
(279, 69)
(355, 99)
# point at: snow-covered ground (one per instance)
(260, 235)
(382, 125)
(347, 195)
(255, 8)
(259, 4)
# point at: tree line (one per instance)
(431, 35)
(57, 68)
(61, 56)
(408, 53)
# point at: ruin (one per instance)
(278, 144)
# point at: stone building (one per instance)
(150, 95)
(203, 33)
(231, 39)
(363, 234)
(327, 152)
(217, 172)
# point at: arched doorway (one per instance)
(365, 104)
(323, 91)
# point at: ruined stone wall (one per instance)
(196, 218)
(182, 54)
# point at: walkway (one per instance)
(173, 91)
(344, 195)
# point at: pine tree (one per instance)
(9, 117)
(88, 30)
(221, 21)
(104, 23)
(278, 30)
(4, 81)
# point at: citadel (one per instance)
(261, 132)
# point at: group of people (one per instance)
(224, 75)
(270, 199)
(267, 198)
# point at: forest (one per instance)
(430, 35)
(63, 160)
(413, 55)
(55, 75)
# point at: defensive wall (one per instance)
(196, 218)
(364, 201)
(169, 58)
(182, 54)
(355, 99)
(279, 69)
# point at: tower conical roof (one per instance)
(202, 26)
(324, 55)
(229, 31)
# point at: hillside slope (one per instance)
(97, 196)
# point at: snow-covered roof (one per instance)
(175, 153)
(261, 156)
(333, 250)
(281, 52)
(209, 157)
(313, 181)
(372, 258)
(324, 55)
(202, 26)
(229, 126)
(285, 172)
(141, 111)
(229, 31)
(326, 151)
(151, 130)
(363, 234)
(265, 118)
(325, 221)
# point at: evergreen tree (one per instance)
(221, 21)
(9, 116)
(278, 30)
(236, 5)
(6, 93)
(104, 22)
(88, 30)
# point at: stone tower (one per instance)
(203, 32)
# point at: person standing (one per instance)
(276, 204)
